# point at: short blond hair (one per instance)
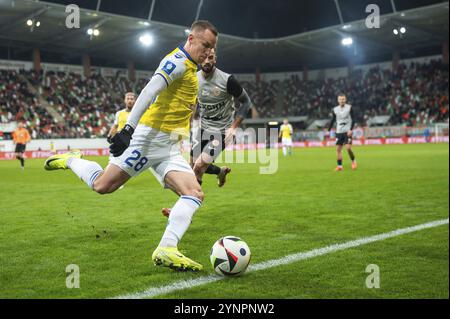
(201, 25)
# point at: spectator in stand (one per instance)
(414, 94)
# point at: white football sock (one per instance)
(179, 220)
(88, 171)
(284, 150)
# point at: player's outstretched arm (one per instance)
(234, 88)
(246, 105)
(121, 140)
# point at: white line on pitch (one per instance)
(289, 259)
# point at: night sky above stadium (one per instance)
(251, 18)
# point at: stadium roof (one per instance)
(426, 29)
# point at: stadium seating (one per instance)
(18, 103)
(263, 95)
(411, 95)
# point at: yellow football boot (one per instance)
(59, 161)
(172, 258)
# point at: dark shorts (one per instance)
(343, 139)
(20, 148)
(211, 143)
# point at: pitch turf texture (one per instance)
(49, 220)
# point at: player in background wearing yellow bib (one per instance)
(286, 132)
(150, 140)
(121, 116)
(52, 148)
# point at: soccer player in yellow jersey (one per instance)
(150, 139)
(122, 116)
(286, 132)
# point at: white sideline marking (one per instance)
(187, 284)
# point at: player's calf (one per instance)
(110, 180)
(103, 188)
(195, 192)
(201, 165)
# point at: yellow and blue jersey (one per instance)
(172, 109)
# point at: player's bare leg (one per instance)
(201, 165)
(101, 181)
(339, 158)
(191, 197)
(110, 180)
(352, 156)
(199, 168)
(204, 164)
(166, 211)
(221, 180)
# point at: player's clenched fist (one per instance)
(121, 141)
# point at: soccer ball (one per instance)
(230, 256)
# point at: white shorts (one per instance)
(154, 150)
(286, 141)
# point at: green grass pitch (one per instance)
(49, 220)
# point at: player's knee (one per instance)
(196, 192)
(200, 195)
(102, 188)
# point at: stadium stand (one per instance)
(413, 94)
(18, 103)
